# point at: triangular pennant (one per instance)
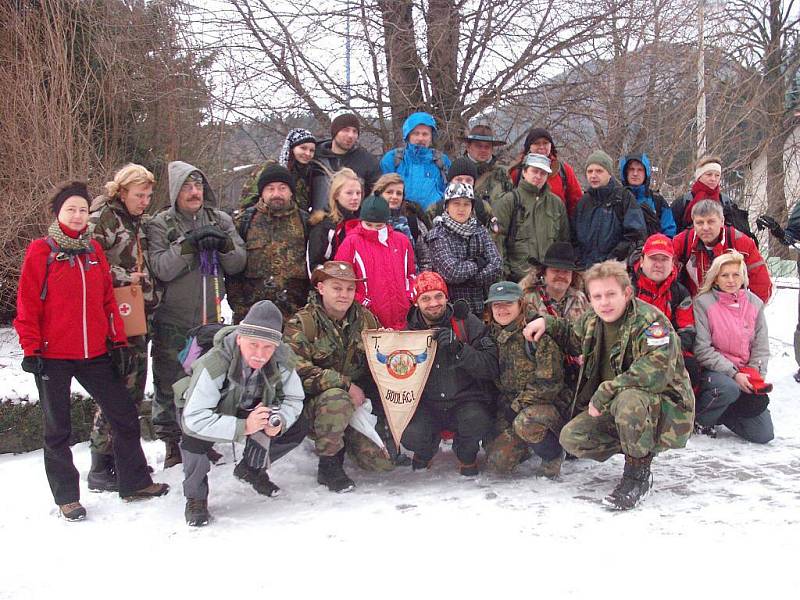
(400, 362)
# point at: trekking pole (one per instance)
(217, 295)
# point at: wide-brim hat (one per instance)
(336, 269)
(482, 133)
(560, 255)
(504, 291)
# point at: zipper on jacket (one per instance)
(85, 333)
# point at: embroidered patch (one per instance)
(657, 334)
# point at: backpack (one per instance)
(400, 152)
(199, 340)
(51, 256)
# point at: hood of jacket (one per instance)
(177, 172)
(642, 158)
(418, 118)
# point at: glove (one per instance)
(481, 261)
(122, 361)
(206, 237)
(33, 364)
(766, 222)
(448, 341)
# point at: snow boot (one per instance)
(258, 478)
(73, 511)
(102, 477)
(709, 430)
(419, 464)
(551, 468)
(173, 456)
(634, 486)
(331, 474)
(196, 512)
(213, 456)
(151, 491)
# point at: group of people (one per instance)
(568, 323)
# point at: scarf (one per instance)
(465, 230)
(295, 137)
(700, 191)
(656, 294)
(69, 241)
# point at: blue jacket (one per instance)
(647, 200)
(607, 223)
(424, 180)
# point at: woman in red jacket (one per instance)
(66, 315)
(384, 258)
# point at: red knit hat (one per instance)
(658, 243)
(429, 281)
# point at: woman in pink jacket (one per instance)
(732, 347)
(384, 258)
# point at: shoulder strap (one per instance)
(309, 325)
(439, 162)
(563, 173)
(413, 225)
(245, 221)
(50, 258)
(512, 222)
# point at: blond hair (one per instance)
(608, 269)
(384, 181)
(730, 257)
(129, 175)
(340, 178)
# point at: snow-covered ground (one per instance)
(723, 522)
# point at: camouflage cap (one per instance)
(504, 291)
(334, 268)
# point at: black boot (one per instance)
(102, 477)
(173, 455)
(331, 473)
(634, 486)
(196, 512)
(258, 478)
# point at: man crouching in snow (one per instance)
(633, 385)
(244, 389)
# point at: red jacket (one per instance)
(695, 259)
(389, 271)
(570, 196)
(78, 314)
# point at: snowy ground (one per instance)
(723, 521)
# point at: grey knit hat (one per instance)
(263, 321)
(598, 157)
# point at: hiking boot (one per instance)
(551, 468)
(196, 512)
(213, 456)
(73, 511)
(258, 478)
(468, 470)
(402, 460)
(634, 486)
(797, 376)
(331, 473)
(418, 464)
(709, 430)
(173, 456)
(102, 477)
(151, 491)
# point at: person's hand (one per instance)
(257, 420)
(481, 261)
(357, 396)
(206, 237)
(743, 382)
(137, 277)
(122, 360)
(33, 364)
(448, 341)
(534, 330)
(593, 412)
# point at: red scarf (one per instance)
(656, 294)
(700, 191)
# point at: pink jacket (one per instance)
(388, 267)
(731, 332)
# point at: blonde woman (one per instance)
(732, 347)
(328, 230)
(116, 223)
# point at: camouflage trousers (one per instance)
(518, 437)
(100, 437)
(168, 341)
(329, 416)
(630, 427)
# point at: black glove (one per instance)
(447, 340)
(122, 361)
(207, 237)
(481, 261)
(33, 364)
(766, 222)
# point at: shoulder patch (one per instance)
(656, 334)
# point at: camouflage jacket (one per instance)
(330, 354)
(117, 232)
(493, 181)
(571, 307)
(275, 242)
(529, 378)
(646, 357)
(303, 179)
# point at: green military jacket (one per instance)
(330, 354)
(541, 220)
(493, 181)
(529, 378)
(119, 233)
(646, 357)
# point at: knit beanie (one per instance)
(275, 173)
(463, 165)
(345, 120)
(66, 190)
(375, 209)
(536, 133)
(263, 321)
(598, 157)
(429, 281)
(295, 137)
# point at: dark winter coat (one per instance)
(357, 158)
(608, 223)
(671, 298)
(325, 237)
(467, 376)
(657, 213)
